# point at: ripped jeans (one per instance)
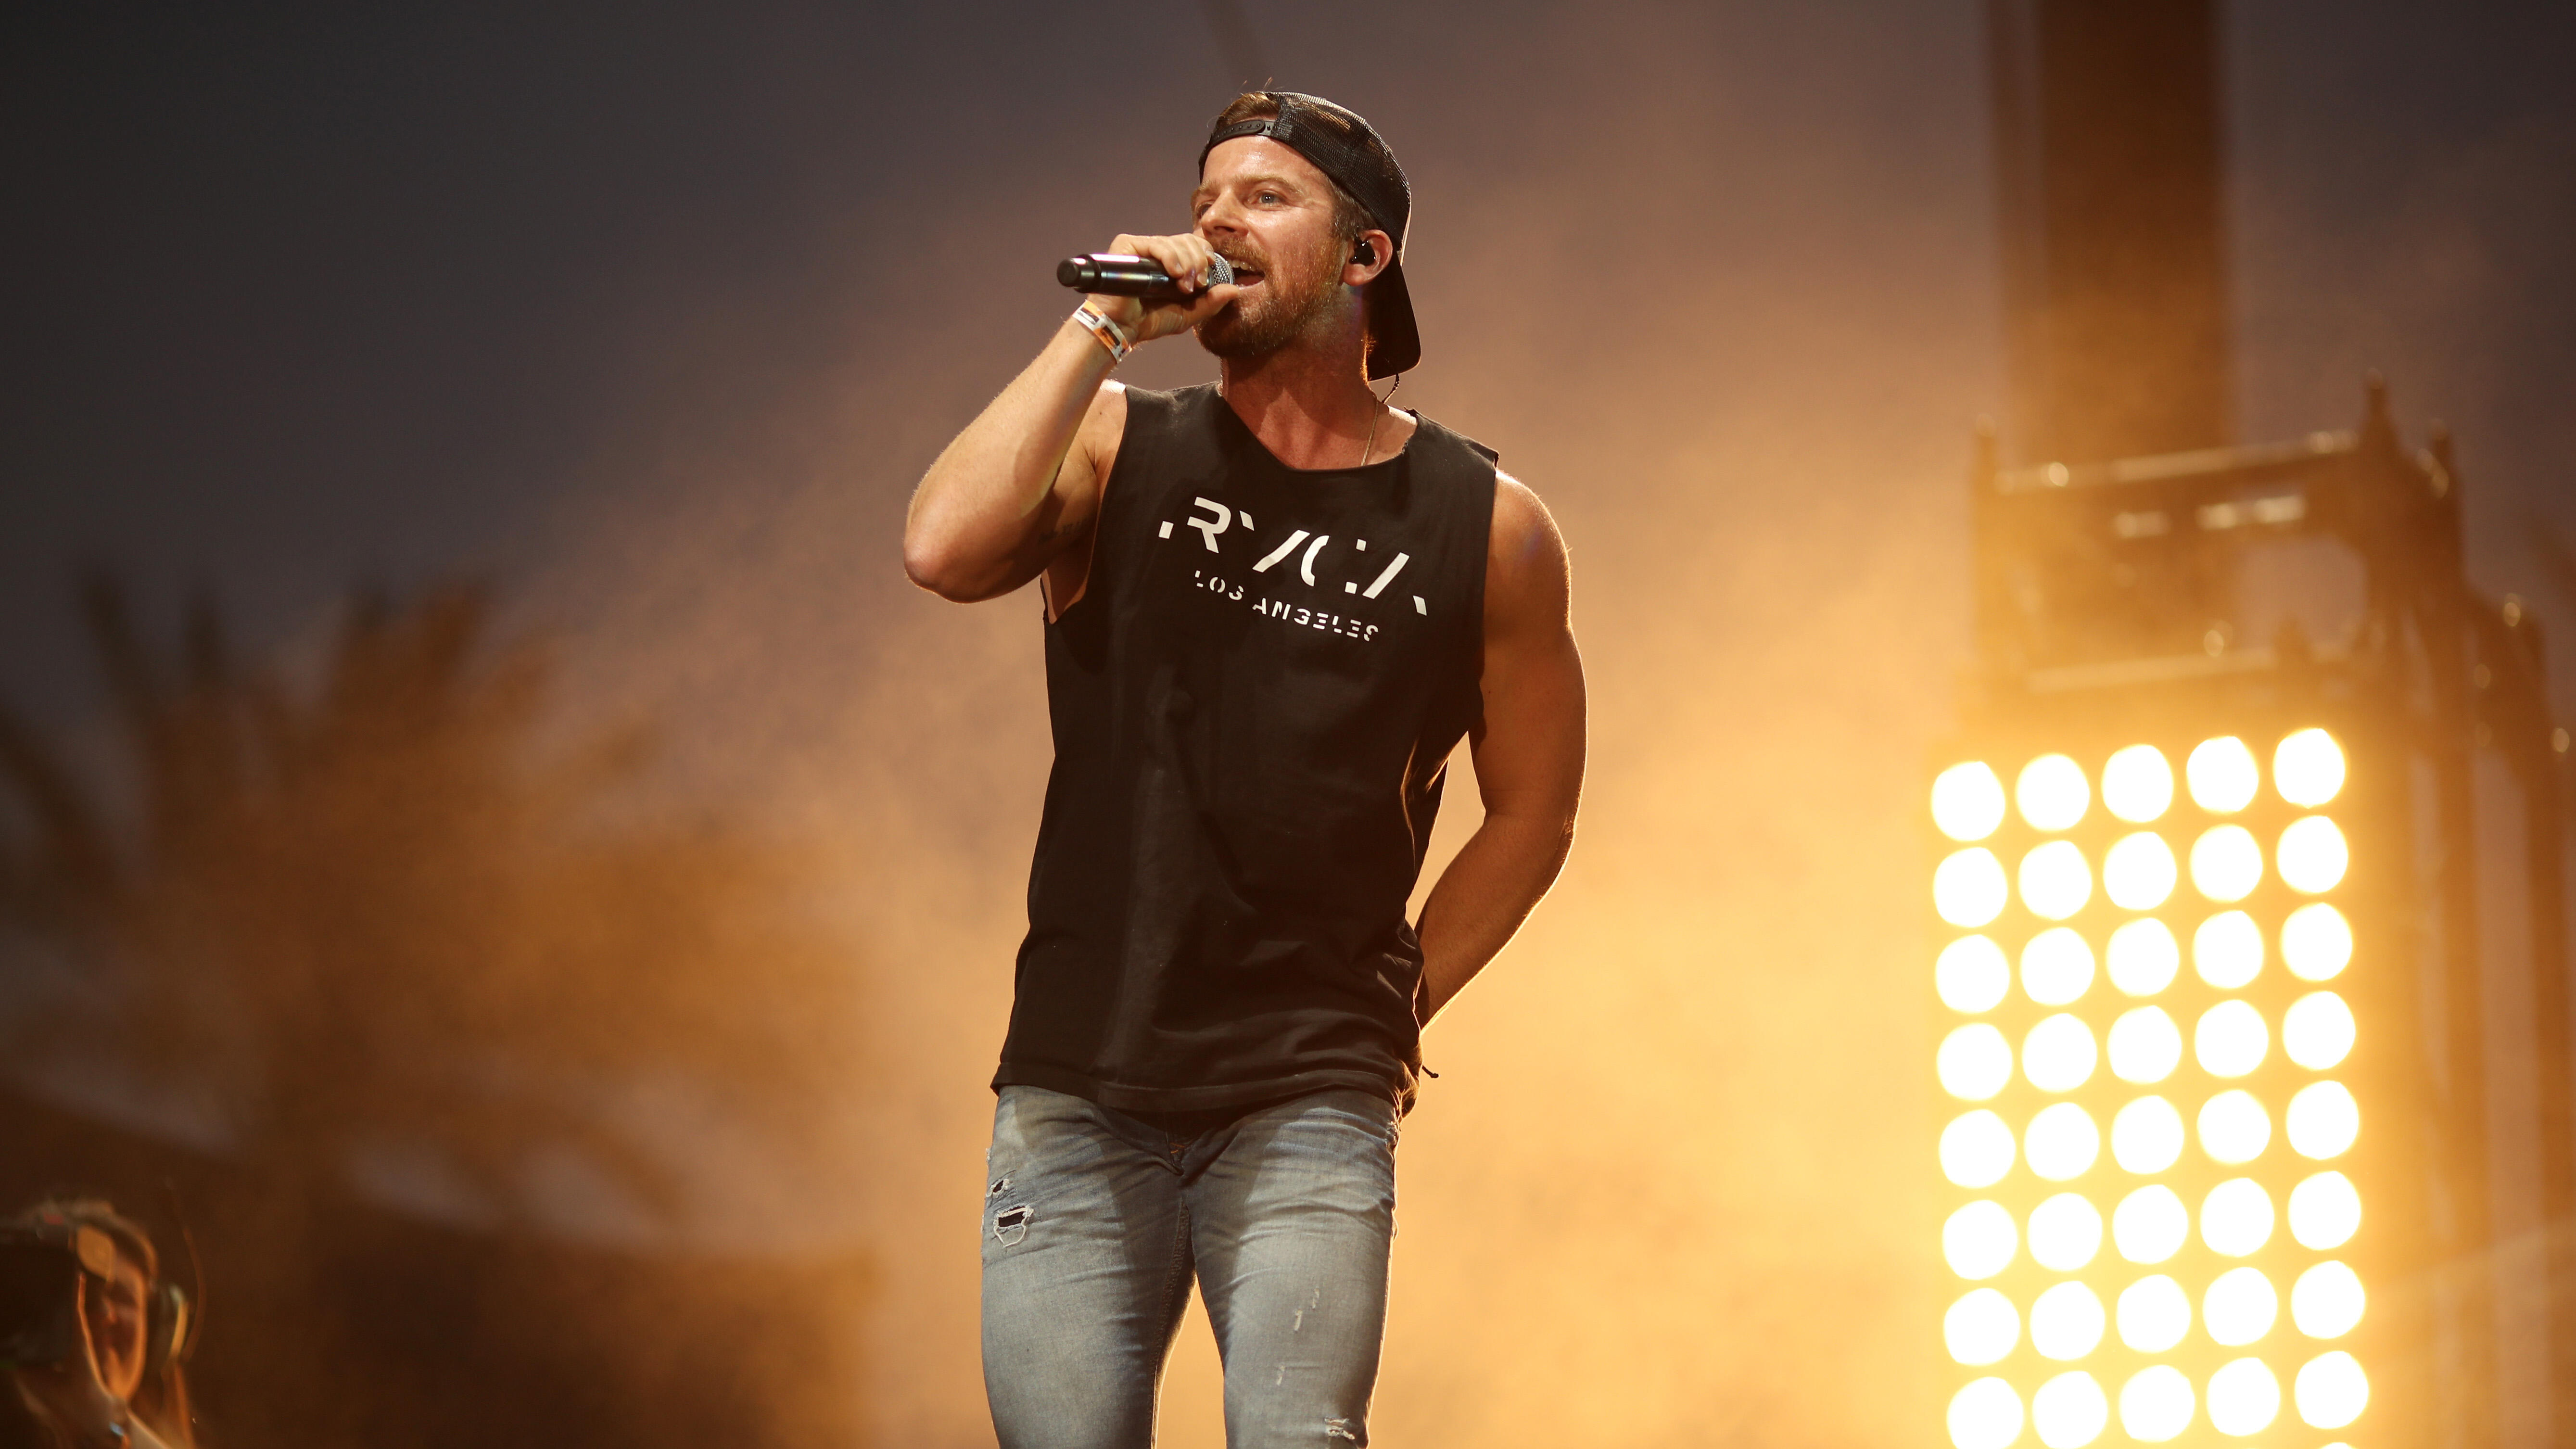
(1096, 1223)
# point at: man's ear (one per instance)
(1371, 253)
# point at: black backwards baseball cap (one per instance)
(1337, 142)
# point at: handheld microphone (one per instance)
(1115, 274)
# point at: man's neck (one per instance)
(1312, 408)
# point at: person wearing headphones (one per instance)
(1273, 607)
(117, 1381)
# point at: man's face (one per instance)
(114, 1306)
(1269, 213)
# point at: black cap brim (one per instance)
(1395, 344)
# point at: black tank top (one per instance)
(1253, 701)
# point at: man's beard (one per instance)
(1289, 304)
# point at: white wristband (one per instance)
(1111, 335)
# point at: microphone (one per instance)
(1115, 274)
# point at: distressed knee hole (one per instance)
(1011, 1224)
(1342, 1429)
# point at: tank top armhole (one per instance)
(1146, 414)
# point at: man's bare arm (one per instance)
(1528, 750)
(1022, 481)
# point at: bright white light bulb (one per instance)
(2137, 784)
(2156, 1404)
(2325, 1211)
(2323, 1120)
(2234, 1128)
(2154, 1314)
(2231, 1039)
(1981, 1327)
(2244, 1397)
(1969, 889)
(2226, 864)
(2313, 855)
(1979, 1240)
(2332, 1390)
(2317, 1031)
(2139, 872)
(2222, 775)
(2062, 1142)
(2146, 1136)
(1985, 1415)
(2144, 957)
(2150, 1225)
(2316, 942)
(2066, 1322)
(2227, 950)
(2307, 768)
(2069, 1411)
(1972, 975)
(1968, 801)
(2236, 1218)
(2327, 1301)
(1977, 1149)
(2239, 1307)
(2059, 1055)
(1974, 1062)
(2145, 1046)
(2055, 880)
(2052, 792)
(2065, 1232)
(2056, 967)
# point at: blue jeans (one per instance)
(1095, 1224)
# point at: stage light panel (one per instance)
(1985, 1415)
(2146, 1046)
(2313, 855)
(2307, 768)
(2154, 1314)
(2137, 784)
(2138, 872)
(1980, 1240)
(2066, 1322)
(2150, 1225)
(2227, 950)
(1977, 1149)
(2222, 775)
(2234, 1128)
(1969, 889)
(2226, 863)
(2062, 1142)
(2244, 1397)
(2325, 1211)
(1968, 802)
(1975, 1062)
(2146, 1136)
(2059, 1054)
(2236, 1218)
(2055, 880)
(2052, 793)
(2317, 1031)
(2230, 1039)
(2240, 1307)
(2144, 957)
(2069, 1411)
(2323, 1120)
(2331, 1390)
(1981, 1328)
(2316, 942)
(1972, 975)
(2327, 1301)
(2156, 1404)
(2065, 1233)
(2056, 967)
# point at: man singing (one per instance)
(1274, 605)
